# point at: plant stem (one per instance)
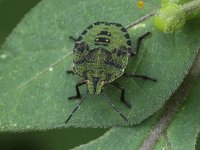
(172, 16)
(191, 9)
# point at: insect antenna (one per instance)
(114, 107)
(76, 108)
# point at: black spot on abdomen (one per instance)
(113, 64)
(128, 42)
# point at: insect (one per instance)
(100, 56)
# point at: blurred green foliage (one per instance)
(11, 13)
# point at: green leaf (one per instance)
(121, 138)
(180, 134)
(34, 87)
(183, 131)
(55, 139)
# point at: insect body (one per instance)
(100, 56)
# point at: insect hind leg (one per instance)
(139, 76)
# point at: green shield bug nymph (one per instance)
(100, 56)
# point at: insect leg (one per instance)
(139, 40)
(70, 72)
(139, 76)
(115, 108)
(78, 95)
(122, 98)
(76, 108)
(73, 38)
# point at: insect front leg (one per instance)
(78, 95)
(122, 98)
(139, 76)
(73, 38)
(139, 41)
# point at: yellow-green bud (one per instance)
(169, 18)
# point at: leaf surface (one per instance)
(181, 133)
(34, 87)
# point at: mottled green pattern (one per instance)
(117, 36)
(101, 64)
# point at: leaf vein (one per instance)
(36, 76)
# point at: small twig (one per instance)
(142, 19)
(192, 8)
